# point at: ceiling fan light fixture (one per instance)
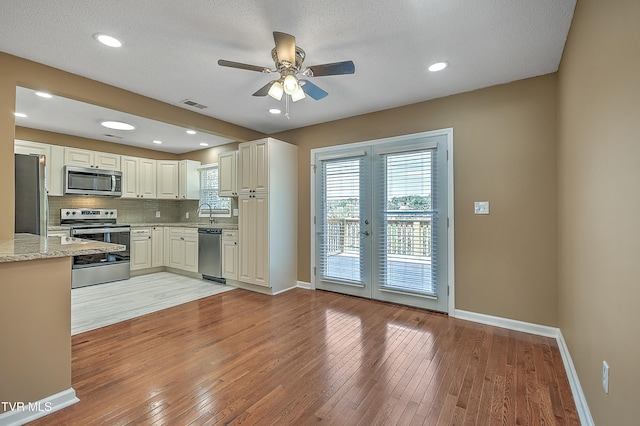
(276, 90)
(297, 94)
(290, 84)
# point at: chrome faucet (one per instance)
(211, 220)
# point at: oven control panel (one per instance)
(75, 214)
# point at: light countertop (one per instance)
(227, 226)
(33, 247)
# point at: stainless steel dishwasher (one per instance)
(210, 254)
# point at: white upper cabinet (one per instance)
(227, 174)
(253, 166)
(54, 162)
(189, 180)
(138, 177)
(168, 179)
(91, 159)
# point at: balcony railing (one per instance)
(404, 237)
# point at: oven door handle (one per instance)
(99, 231)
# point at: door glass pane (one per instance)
(340, 251)
(408, 213)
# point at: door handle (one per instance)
(365, 233)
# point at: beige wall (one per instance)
(35, 313)
(504, 152)
(599, 203)
(16, 71)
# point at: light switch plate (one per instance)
(235, 212)
(481, 207)
(158, 214)
(186, 215)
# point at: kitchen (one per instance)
(160, 205)
(178, 220)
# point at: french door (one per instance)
(381, 220)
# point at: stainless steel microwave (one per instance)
(86, 181)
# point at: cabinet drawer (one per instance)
(230, 235)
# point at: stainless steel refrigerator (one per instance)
(31, 195)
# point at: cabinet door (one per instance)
(167, 179)
(244, 167)
(227, 185)
(55, 170)
(106, 161)
(147, 178)
(78, 157)
(261, 239)
(230, 259)
(129, 177)
(261, 166)
(189, 180)
(140, 249)
(246, 251)
(157, 246)
(190, 251)
(176, 249)
(28, 148)
(167, 246)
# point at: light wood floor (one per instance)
(312, 357)
(105, 304)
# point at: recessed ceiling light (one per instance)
(204, 144)
(44, 95)
(157, 142)
(275, 111)
(108, 40)
(191, 132)
(438, 66)
(117, 125)
(19, 114)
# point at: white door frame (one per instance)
(448, 132)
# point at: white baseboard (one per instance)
(511, 324)
(35, 410)
(304, 285)
(578, 396)
(541, 330)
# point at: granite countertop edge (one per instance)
(225, 226)
(34, 247)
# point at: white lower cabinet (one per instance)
(157, 246)
(183, 249)
(230, 255)
(140, 248)
(253, 223)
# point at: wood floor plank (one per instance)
(311, 357)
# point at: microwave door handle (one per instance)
(113, 183)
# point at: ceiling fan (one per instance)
(288, 59)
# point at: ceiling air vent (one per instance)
(193, 104)
(112, 136)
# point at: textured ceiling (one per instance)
(171, 49)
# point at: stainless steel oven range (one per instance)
(98, 225)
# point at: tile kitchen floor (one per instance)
(105, 304)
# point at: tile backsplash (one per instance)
(137, 211)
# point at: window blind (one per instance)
(340, 211)
(408, 212)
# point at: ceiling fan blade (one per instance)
(264, 90)
(242, 66)
(285, 47)
(312, 90)
(336, 68)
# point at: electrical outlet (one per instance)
(186, 215)
(605, 376)
(158, 213)
(481, 207)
